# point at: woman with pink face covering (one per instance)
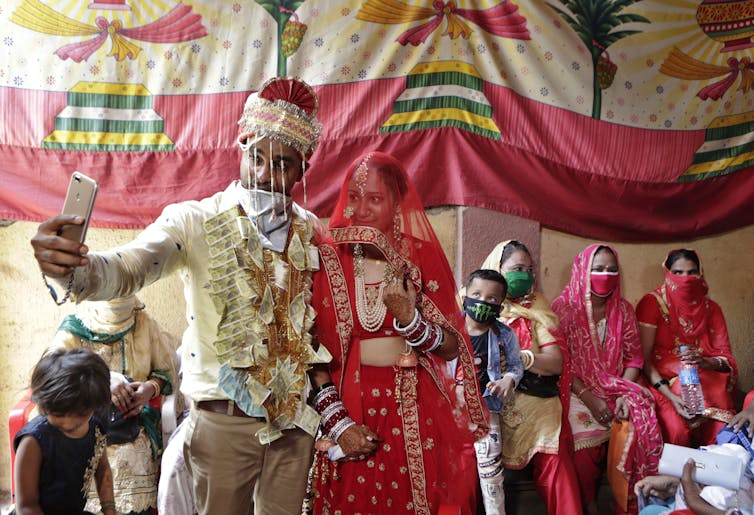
(679, 313)
(602, 336)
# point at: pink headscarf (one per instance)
(600, 365)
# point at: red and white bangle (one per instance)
(431, 340)
(414, 329)
(337, 429)
(335, 419)
(326, 395)
(421, 335)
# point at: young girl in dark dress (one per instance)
(61, 450)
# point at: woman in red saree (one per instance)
(679, 313)
(384, 273)
(606, 359)
(535, 426)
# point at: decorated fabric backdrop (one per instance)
(617, 119)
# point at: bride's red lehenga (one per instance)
(426, 459)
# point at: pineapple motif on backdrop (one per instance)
(554, 110)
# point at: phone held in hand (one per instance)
(79, 201)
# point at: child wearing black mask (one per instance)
(499, 368)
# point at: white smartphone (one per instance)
(79, 201)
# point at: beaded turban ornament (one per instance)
(284, 109)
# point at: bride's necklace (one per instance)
(371, 312)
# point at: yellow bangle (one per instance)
(157, 387)
(527, 359)
(581, 392)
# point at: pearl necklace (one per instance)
(371, 314)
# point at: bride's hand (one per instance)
(400, 298)
(358, 441)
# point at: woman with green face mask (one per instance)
(534, 429)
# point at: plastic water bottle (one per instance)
(691, 386)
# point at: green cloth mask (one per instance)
(519, 283)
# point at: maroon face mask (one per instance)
(689, 289)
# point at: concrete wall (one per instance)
(28, 317)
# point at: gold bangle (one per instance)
(527, 359)
(581, 392)
(157, 387)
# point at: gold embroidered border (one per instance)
(427, 365)
(340, 298)
(406, 382)
(718, 414)
(471, 392)
(359, 234)
(100, 444)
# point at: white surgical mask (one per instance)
(270, 213)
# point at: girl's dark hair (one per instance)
(485, 274)
(682, 254)
(71, 381)
(511, 247)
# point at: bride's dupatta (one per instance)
(417, 252)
